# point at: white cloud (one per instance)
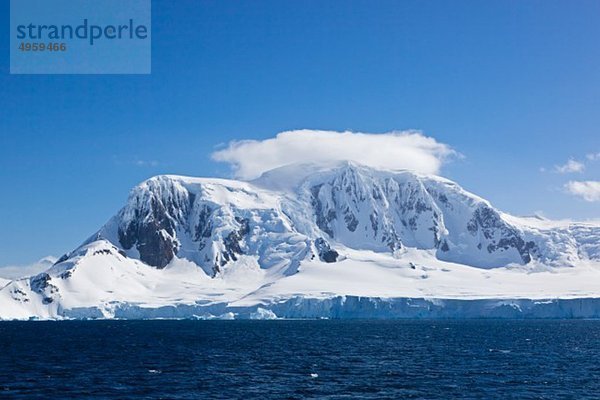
(20, 271)
(570, 167)
(593, 156)
(392, 150)
(135, 160)
(587, 190)
(144, 163)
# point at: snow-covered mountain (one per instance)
(302, 240)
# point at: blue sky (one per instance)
(514, 86)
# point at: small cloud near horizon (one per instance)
(144, 163)
(593, 156)
(136, 161)
(571, 166)
(587, 190)
(392, 150)
(21, 271)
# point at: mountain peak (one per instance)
(212, 222)
(227, 240)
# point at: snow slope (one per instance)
(305, 240)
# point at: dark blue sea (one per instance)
(473, 359)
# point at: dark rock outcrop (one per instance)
(326, 253)
(487, 222)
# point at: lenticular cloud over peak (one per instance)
(393, 150)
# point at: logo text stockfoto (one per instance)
(80, 36)
(85, 31)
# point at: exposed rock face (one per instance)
(487, 224)
(379, 211)
(324, 212)
(232, 244)
(41, 284)
(154, 246)
(171, 216)
(150, 220)
(326, 253)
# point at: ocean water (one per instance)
(472, 359)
